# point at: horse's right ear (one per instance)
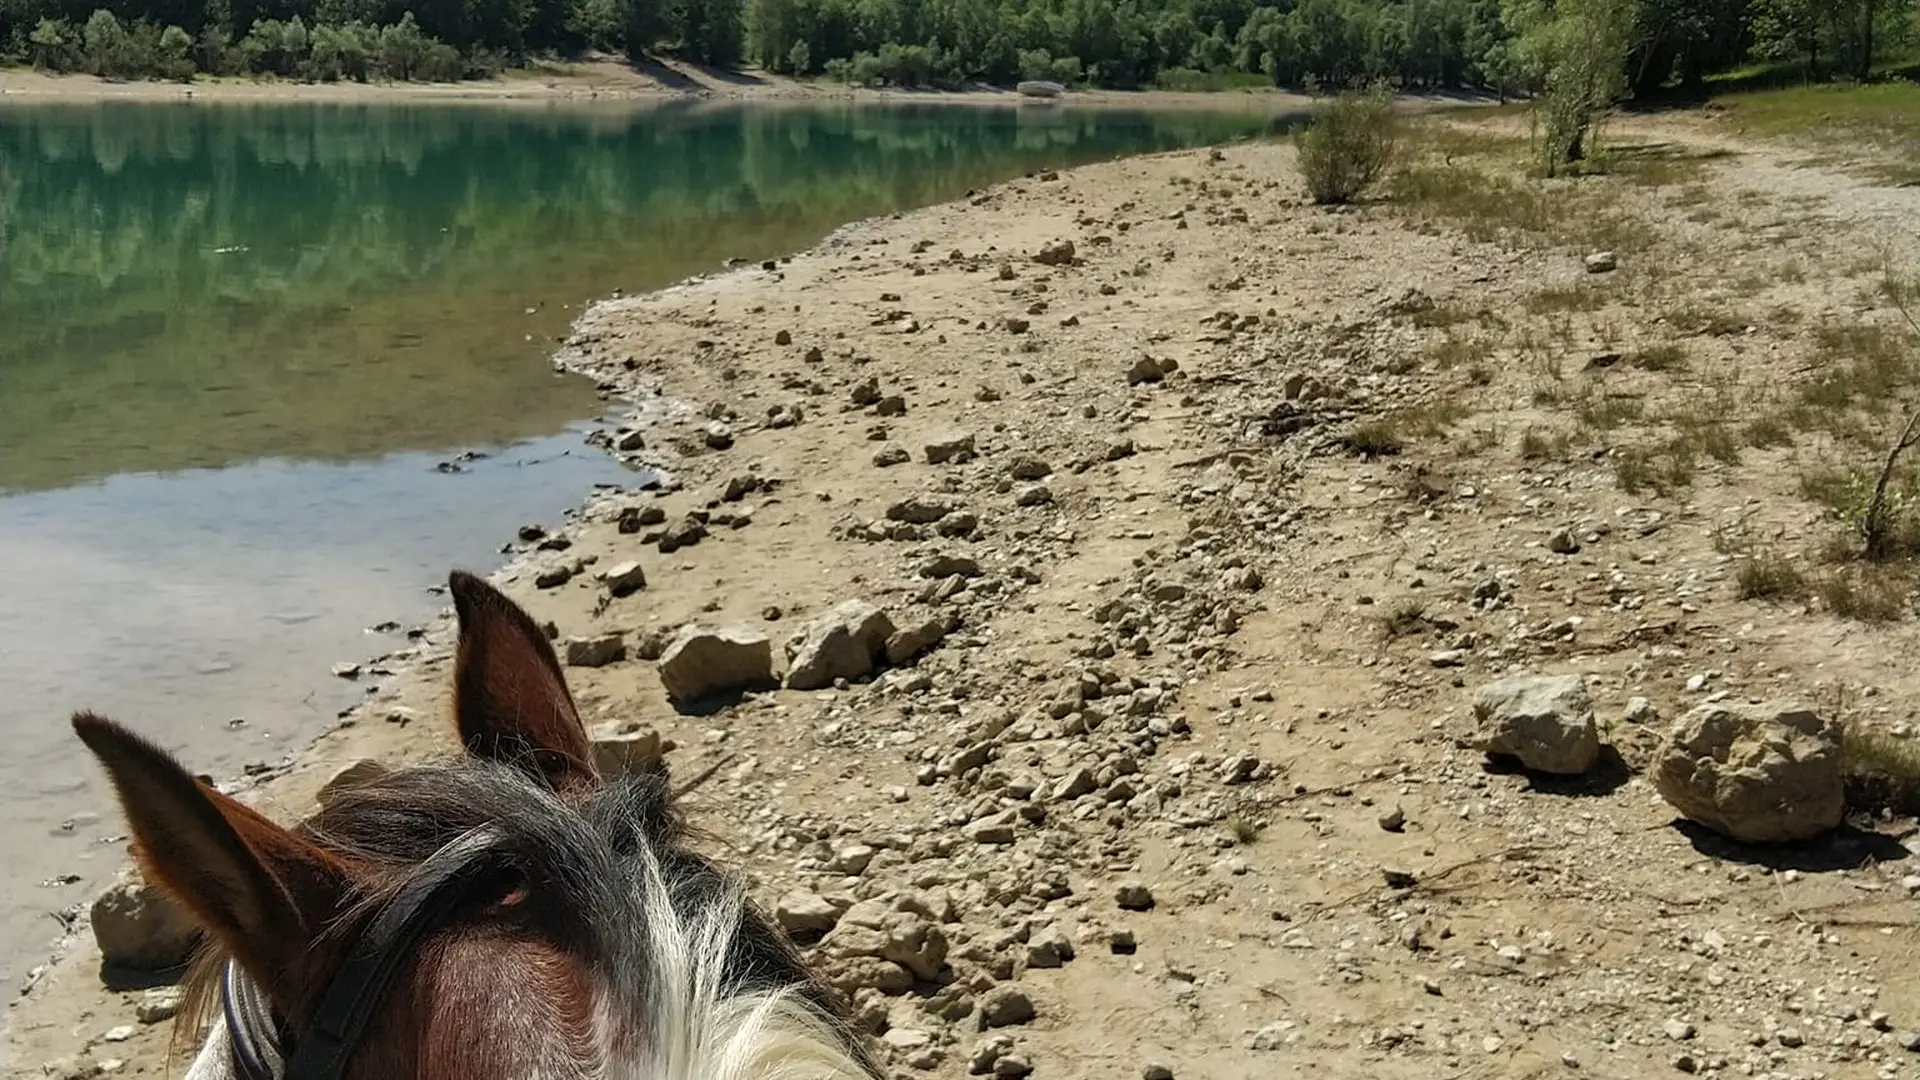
(264, 892)
(510, 698)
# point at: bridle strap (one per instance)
(321, 1050)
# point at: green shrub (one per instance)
(173, 56)
(56, 46)
(1349, 145)
(106, 44)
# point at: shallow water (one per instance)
(236, 340)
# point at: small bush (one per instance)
(1375, 438)
(1882, 770)
(1349, 146)
(1768, 575)
(1867, 593)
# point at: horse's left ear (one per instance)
(510, 698)
(262, 891)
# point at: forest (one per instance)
(1173, 44)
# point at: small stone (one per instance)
(598, 650)
(684, 533)
(346, 671)
(1270, 1038)
(946, 566)
(1910, 1041)
(921, 509)
(953, 449)
(1153, 1070)
(1049, 948)
(804, 913)
(1790, 1037)
(140, 928)
(1600, 262)
(158, 1005)
(852, 860)
(1057, 253)
(630, 441)
(1544, 721)
(717, 436)
(1145, 370)
(908, 643)
(119, 1034)
(1004, 1006)
(1394, 820)
(702, 662)
(1563, 543)
(1028, 467)
(783, 337)
(626, 750)
(993, 829)
(1686, 1063)
(1012, 1067)
(1133, 896)
(1036, 495)
(842, 644)
(1678, 1030)
(1639, 711)
(624, 579)
(553, 575)
(887, 457)
(363, 771)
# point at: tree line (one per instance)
(1115, 43)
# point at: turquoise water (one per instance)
(235, 340)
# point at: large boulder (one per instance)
(139, 927)
(1767, 773)
(845, 643)
(1546, 721)
(701, 662)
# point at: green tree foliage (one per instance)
(1574, 54)
(1498, 44)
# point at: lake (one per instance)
(237, 342)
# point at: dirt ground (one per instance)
(1203, 646)
(597, 80)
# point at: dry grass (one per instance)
(1474, 182)
(1670, 356)
(1405, 617)
(1696, 319)
(1867, 593)
(1643, 469)
(1769, 575)
(1882, 770)
(1536, 445)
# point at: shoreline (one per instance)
(604, 84)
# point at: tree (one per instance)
(106, 43)
(1575, 53)
(53, 45)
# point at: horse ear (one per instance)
(264, 892)
(510, 699)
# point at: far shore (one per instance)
(604, 82)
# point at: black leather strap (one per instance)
(321, 1050)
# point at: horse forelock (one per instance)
(678, 977)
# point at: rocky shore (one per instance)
(1129, 639)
